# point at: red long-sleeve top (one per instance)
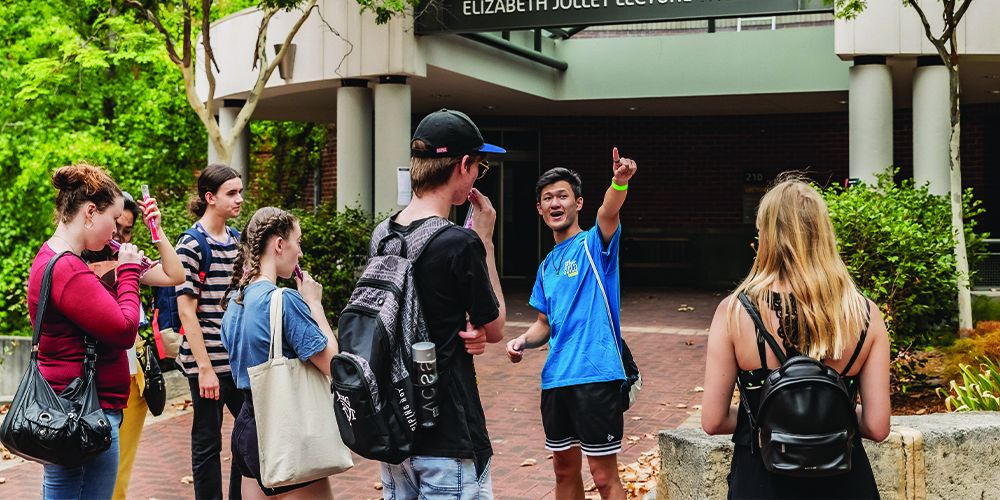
(80, 303)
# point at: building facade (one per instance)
(711, 110)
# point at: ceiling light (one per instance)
(632, 108)
(995, 91)
(490, 107)
(842, 102)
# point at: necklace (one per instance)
(70, 245)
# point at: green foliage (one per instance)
(979, 391)
(897, 242)
(985, 308)
(385, 9)
(849, 9)
(335, 246)
(80, 85)
(288, 155)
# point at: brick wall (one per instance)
(693, 169)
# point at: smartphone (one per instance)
(154, 231)
(297, 272)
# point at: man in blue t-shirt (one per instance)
(576, 294)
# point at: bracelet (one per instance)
(617, 187)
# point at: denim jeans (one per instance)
(94, 479)
(436, 478)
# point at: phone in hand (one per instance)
(154, 230)
(297, 272)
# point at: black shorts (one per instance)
(588, 415)
(246, 454)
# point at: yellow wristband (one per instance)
(616, 187)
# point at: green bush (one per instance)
(897, 241)
(979, 391)
(335, 246)
(985, 308)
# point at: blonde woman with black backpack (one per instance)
(802, 344)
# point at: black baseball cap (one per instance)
(450, 133)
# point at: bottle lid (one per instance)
(423, 352)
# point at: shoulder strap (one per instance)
(233, 233)
(206, 255)
(861, 339)
(607, 304)
(762, 333)
(277, 324)
(43, 302)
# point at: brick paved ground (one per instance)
(668, 345)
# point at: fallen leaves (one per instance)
(528, 463)
(183, 405)
(685, 308)
(681, 405)
(639, 477)
(698, 388)
(378, 486)
(187, 480)
(3, 480)
(4, 408)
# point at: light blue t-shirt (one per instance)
(246, 329)
(583, 347)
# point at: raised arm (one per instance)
(170, 272)
(614, 197)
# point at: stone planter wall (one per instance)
(940, 456)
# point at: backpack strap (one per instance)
(762, 333)
(206, 255)
(861, 339)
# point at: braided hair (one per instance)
(266, 222)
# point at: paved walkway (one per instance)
(668, 345)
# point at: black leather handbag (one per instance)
(67, 428)
(155, 390)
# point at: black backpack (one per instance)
(805, 425)
(372, 383)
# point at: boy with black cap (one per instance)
(459, 290)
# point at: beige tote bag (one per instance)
(297, 431)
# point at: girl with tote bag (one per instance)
(285, 440)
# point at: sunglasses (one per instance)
(484, 166)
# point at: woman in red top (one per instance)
(87, 203)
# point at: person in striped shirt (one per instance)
(202, 356)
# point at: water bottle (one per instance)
(425, 385)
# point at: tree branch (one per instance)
(209, 55)
(266, 69)
(171, 51)
(187, 33)
(956, 19)
(937, 43)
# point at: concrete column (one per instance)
(354, 146)
(931, 125)
(392, 138)
(241, 149)
(870, 117)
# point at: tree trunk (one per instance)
(957, 222)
